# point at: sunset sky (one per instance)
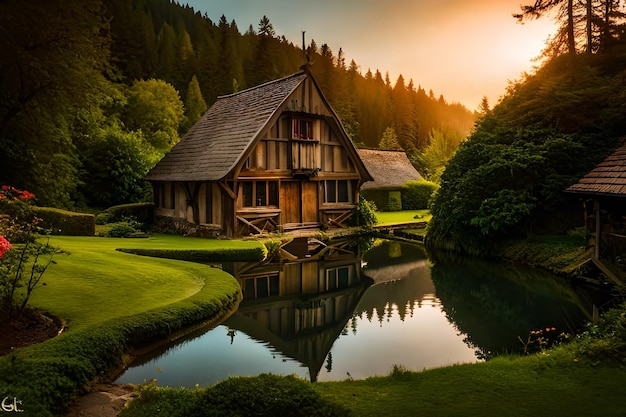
(463, 49)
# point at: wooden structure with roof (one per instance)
(271, 158)
(604, 197)
(390, 170)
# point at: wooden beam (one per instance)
(596, 208)
(228, 190)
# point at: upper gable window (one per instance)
(301, 128)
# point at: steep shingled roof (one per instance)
(214, 145)
(608, 178)
(389, 169)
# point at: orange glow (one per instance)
(461, 49)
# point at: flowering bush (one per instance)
(4, 246)
(23, 263)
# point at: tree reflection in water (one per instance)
(340, 310)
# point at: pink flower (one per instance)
(4, 246)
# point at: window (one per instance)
(338, 278)
(337, 191)
(301, 129)
(261, 286)
(259, 194)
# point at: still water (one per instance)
(342, 311)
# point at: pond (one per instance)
(354, 310)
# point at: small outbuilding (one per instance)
(271, 158)
(390, 170)
(603, 194)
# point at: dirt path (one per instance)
(106, 400)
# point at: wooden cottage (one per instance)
(271, 158)
(603, 192)
(390, 170)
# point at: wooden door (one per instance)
(309, 202)
(290, 202)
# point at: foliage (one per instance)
(389, 140)
(142, 212)
(264, 395)
(394, 200)
(154, 108)
(84, 115)
(432, 161)
(47, 81)
(126, 228)
(509, 177)
(64, 222)
(116, 162)
(198, 255)
(605, 339)
(142, 300)
(364, 213)
(23, 264)
(417, 194)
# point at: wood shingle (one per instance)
(214, 145)
(608, 178)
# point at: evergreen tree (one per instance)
(195, 106)
(389, 141)
(53, 58)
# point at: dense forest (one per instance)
(95, 92)
(550, 129)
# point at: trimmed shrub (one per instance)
(365, 213)
(47, 376)
(142, 212)
(380, 198)
(416, 195)
(264, 395)
(204, 256)
(395, 200)
(68, 223)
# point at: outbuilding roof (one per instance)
(390, 169)
(608, 178)
(214, 145)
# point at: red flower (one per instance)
(4, 246)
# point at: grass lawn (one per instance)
(95, 282)
(524, 386)
(405, 216)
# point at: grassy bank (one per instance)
(113, 301)
(584, 378)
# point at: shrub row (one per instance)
(47, 376)
(264, 395)
(68, 223)
(416, 195)
(413, 195)
(204, 256)
(142, 212)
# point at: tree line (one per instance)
(95, 92)
(550, 128)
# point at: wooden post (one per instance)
(596, 208)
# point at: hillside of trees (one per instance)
(549, 130)
(95, 92)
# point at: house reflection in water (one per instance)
(300, 303)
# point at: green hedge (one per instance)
(142, 212)
(203, 256)
(67, 223)
(416, 195)
(264, 395)
(47, 376)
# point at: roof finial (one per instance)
(306, 50)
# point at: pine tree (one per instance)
(389, 141)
